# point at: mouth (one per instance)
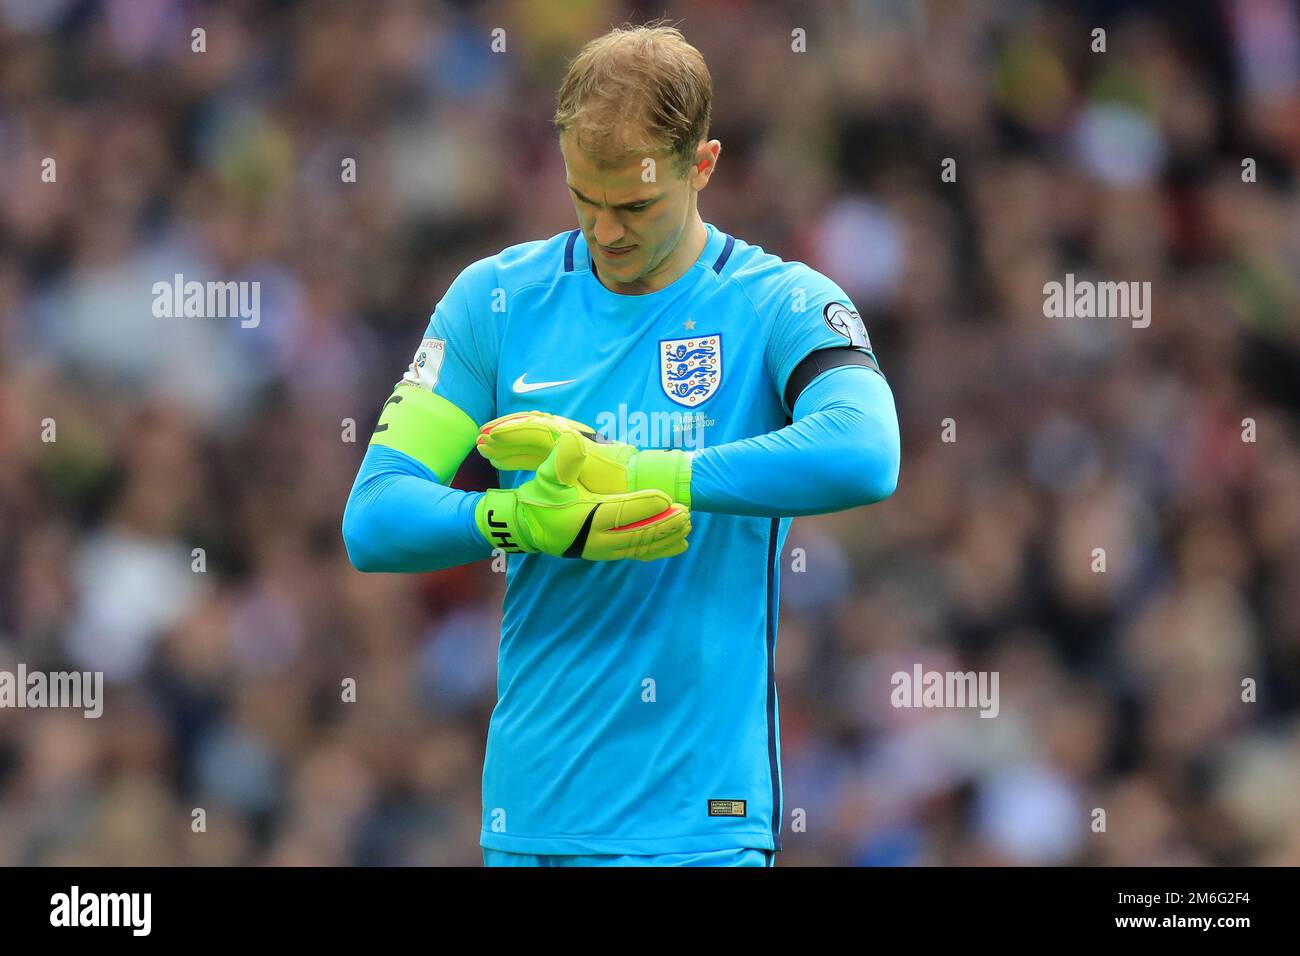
(618, 253)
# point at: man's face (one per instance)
(632, 226)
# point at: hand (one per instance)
(554, 513)
(521, 442)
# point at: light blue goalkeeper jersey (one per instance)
(637, 707)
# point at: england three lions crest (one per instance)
(690, 370)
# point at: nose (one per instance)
(607, 229)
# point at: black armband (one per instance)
(821, 361)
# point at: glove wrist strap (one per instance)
(497, 518)
(666, 471)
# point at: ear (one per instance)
(706, 161)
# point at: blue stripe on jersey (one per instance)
(773, 768)
(726, 254)
(568, 250)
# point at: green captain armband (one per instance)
(427, 427)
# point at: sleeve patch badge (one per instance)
(424, 368)
(842, 320)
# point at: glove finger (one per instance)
(586, 431)
(514, 458)
(632, 510)
(518, 442)
(566, 460)
(662, 539)
(677, 524)
(489, 427)
(662, 549)
(554, 424)
(659, 536)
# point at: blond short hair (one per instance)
(636, 90)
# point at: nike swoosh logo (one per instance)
(523, 388)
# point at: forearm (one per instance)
(841, 451)
(399, 517)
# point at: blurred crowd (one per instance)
(1120, 690)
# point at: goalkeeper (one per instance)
(637, 718)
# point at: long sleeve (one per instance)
(399, 517)
(840, 451)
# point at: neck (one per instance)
(694, 238)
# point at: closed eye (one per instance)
(630, 207)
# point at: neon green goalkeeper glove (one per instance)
(554, 514)
(520, 442)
